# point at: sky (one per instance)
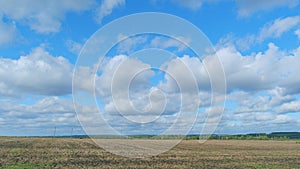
(257, 43)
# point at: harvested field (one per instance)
(83, 153)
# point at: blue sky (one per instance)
(257, 41)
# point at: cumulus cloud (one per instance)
(279, 96)
(246, 74)
(107, 69)
(255, 112)
(7, 32)
(257, 122)
(73, 46)
(262, 90)
(249, 7)
(125, 89)
(126, 80)
(128, 45)
(107, 7)
(181, 43)
(260, 71)
(278, 27)
(290, 107)
(271, 30)
(40, 117)
(183, 73)
(297, 32)
(42, 16)
(283, 119)
(264, 81)
(37, 73)
(193, 4)
(52, 104)
(260, 84)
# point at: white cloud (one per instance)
(7, 32)
(278, 27)
(127, 81)
(73, 46)
(37, 73)
(259, 84)
(255, 112)
(108, 68)
(183, 74)
(284, 119)
(289, 107)
(129, 44)
(37, 118)
(107, 7)
(246, 73)
(264, 81)
(262, 87)
(249, 7)
(193, 4)
(134, 96)
(271, 30)
(181, 43)
(279, 96)
(261, 71)
(84, 79)
(52, 104)
(297, 32)
(42, 16)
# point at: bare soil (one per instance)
(84, 153)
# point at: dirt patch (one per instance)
(84, 153)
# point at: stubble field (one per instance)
(83, 153)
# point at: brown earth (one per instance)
(83, 153)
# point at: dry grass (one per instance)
(83, 153)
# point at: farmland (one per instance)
(18, 152)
